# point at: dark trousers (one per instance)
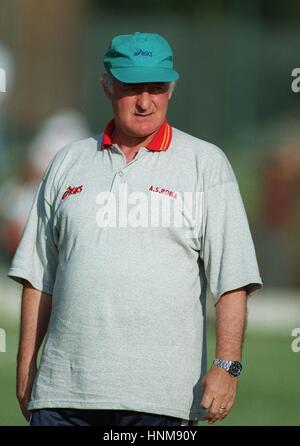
(99, 417)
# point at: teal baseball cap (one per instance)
(140, 57)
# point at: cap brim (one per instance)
(136, 75)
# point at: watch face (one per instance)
(235, 368)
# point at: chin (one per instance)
(144, 127)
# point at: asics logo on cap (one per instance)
(141, 52)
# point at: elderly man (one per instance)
(119, 291)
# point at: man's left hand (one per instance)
(219, 393)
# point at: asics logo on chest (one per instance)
(72, 191)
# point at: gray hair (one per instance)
(107, 80)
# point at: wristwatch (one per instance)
(234, 368)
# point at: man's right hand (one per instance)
(35, 315)
(23, 402)
(24, 386)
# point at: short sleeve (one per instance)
(36, 256)
(227, 249)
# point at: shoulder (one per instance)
(68, 154)
(210, 160)
(75, 149)
(199, 147)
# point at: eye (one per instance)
(158, 88)
(130, 88)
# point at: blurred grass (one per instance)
(10, 414)
(268, 394)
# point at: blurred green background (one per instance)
(235, 60)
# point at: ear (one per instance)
(171, 91)
(105, 89)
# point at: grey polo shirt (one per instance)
(127, 328)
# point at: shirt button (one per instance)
(121, 173)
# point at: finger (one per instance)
(223, 413)
(212, 412)
(26, 414)
(229, 406)
(206, 401)
(215, 411)
(25, 411)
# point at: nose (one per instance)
(143, 101)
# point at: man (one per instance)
(118, 291)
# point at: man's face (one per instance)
(139, 109)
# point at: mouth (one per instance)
(143, 116)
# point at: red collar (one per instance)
(161, 140)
